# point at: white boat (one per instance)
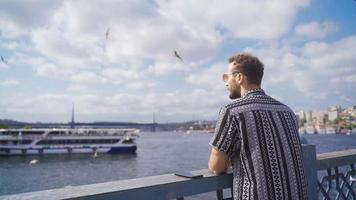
(310, 130)
(67, 141)
(301, 130)
(330, 130)
(199, 131)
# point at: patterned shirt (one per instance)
(260, 135)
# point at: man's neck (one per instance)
(244, 90)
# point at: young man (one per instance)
(258, 135)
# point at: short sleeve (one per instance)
(226, 136)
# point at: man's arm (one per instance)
(218, 162)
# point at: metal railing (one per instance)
(339, 181)
(169, 186)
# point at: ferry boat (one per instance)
(67, 141)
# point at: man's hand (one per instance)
(218, 162)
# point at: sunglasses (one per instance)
(225, 77)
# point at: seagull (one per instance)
(107, 33)
(177, 55)
(95, 154)
(32, 162)
(3, 60)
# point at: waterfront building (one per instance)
(320, 128)
(333, 113)
(320, 117)
(301, 115)
(309, 116)
(352, 111)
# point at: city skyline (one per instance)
(302, 114)
(124, 60)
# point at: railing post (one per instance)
(219, 194)
(311, 173)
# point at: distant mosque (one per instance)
(72, 123)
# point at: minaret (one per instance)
(72, 122)
(154, 122)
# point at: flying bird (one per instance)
(107, 34)
(95, 154)
(3, 60)
(177, 55)
(32, 162)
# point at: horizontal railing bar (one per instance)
(166, 186)
(336, 159)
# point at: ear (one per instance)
(240, 78)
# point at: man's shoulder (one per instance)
(250, 100)
(234, 104)
(255, 103)
(232, 107)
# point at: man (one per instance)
(258, 135)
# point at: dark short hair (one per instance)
(248, 65)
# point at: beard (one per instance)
(235, 93)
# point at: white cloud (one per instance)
(132, 79)
(316, 29)
(17, 18)
(164, 68)
(242, 19)
(71, 35)
(209, 78)
(9, 29)
(3, 65)
(345, 98)
(47, 69)
(11, 45)
(138, 35)
(9, 83)
(129, 78)
(86, 77)
(173, 106)
(318, 69)
(170, 66)
(351, 78)
(77, 88)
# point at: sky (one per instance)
(56, 54)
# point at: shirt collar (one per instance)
(254, 92)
